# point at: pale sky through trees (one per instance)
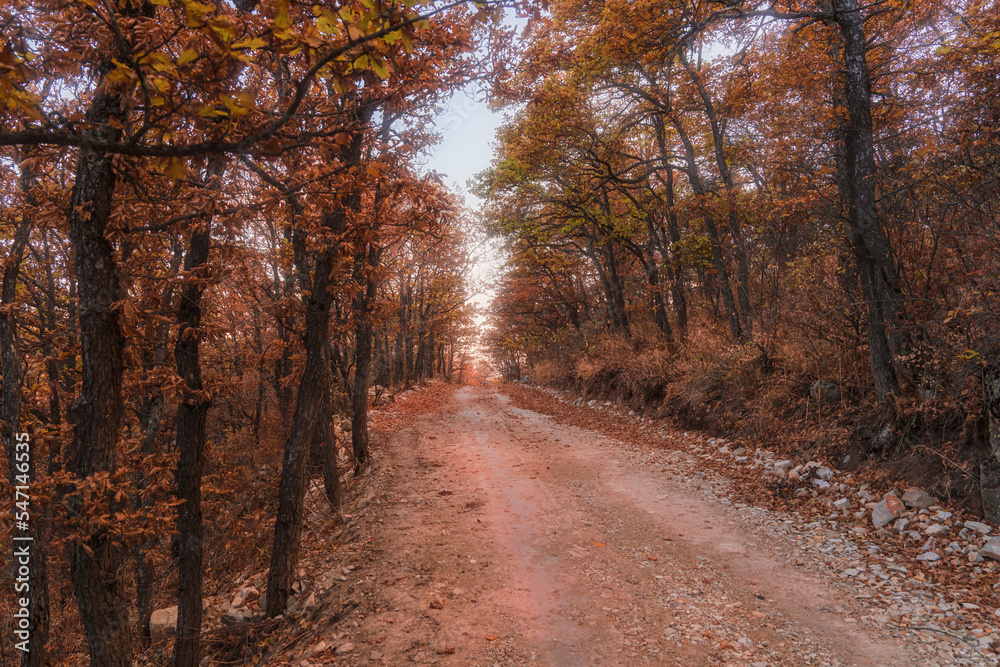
(467, 128)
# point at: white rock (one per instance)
(843, 504)
(782, 467)
(344, 649)
(821, 484)
(824, 473)
(936, 529)
(918, 498)
(991, 549)
(930, 544)
(942, 516)
(245, 596)
(881, 514)
(980, 528)
(900, 524)
(163, 623)
(236, 615)
(928, 556)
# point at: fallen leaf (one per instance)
(447, 650)
(490, 637)
(598, 544)
(437, 604)
(651, 557)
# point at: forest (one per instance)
(771, 220)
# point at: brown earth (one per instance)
(493, 535)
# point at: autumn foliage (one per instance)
(219, 244)
(775, 220)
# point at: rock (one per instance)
(918, 498)
(942, 516)
(311, 604)
(928, 556)
(894, 504)
(980, 528)
(825, 391)
(929, 545)
(344, 649)
(821, 484)
(291, 604)
(824, 473)
(936, 529)
(318, 648)
(843, 504)
(163, 623)
(246, 595)
(900, 525)
(376, 655)
(881, 515)
(799, 493)
(782, 467)
(237, 615)
(991, 549)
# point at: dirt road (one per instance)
(501, 537)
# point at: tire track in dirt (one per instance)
(506, 538)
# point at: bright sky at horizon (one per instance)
(467, 128)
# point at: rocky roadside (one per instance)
(920, 572)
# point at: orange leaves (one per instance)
(282, 20)
(14, 74)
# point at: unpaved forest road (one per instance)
(502, 537)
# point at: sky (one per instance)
(467, 127)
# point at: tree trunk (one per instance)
(313, 386)
(365, 263)
(868, 240)
(722, 164)
(150, 418)
(95, 559)
(12, 368)
(308, 409)
(990, 470)
(722, 273)
(190, 432)
(331, 477)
